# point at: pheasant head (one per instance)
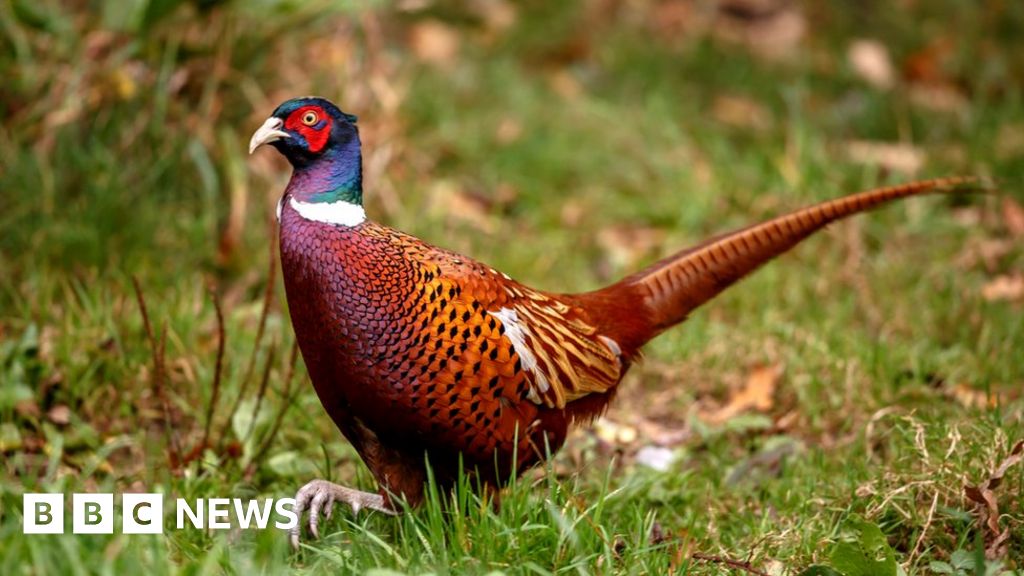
(322, 144)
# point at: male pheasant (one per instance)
(420, 354)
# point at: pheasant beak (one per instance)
(267, 133)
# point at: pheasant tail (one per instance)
(672, 288)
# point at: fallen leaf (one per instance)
(988, 506)
(671, 19)
(939, 98)
(1015, 457)
(497, 15)
(434, 42)
(770, 29)
(1004, 287)
(985, 252)
(48, 338)
(756, 394)
(896, 157)
(509, 130)
(741, 112)
(1013, 216)
(573, 211)
(27, 408)
(927, 65)
(59, 415)
(787, 420)
(870, 60)
(565, 84)
(972, 398)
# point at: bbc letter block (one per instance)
(92, 513)
(142, 513)
(43, 513)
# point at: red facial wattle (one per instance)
(317, 133)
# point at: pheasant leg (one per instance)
(319, 496)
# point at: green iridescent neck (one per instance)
(329, 181)
(352, 194)
(318, 186)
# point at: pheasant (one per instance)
(422, 355)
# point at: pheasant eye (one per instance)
(310, 118)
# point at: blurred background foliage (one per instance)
(567, 143)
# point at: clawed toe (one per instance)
(319, 496)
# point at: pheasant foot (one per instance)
(319, 496)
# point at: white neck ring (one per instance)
(339, 213)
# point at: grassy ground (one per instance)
(567, 144)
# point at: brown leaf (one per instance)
(757, 394)
(928, 65)
(48, 338)
(939, 98)
(1015, 457)
(985, 252)
(1004, 287)
(671, 19)
(59, 415)
(997, 548)
(771, 29)
(870, 60)
(1013, 216)
(988, 506)
(931, 86)
(497, 15)
(573, 212)
(972, 398)
(434, 42)
(741, 112)
(565, 84)
(896, 157)
(509, 130)
(27, 409)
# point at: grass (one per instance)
(566, 148)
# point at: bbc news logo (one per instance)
(144, 513)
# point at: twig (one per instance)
(217, 371)
(737, 564)
(157, 349)
(924, 529)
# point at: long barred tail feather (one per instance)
(672, 288)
